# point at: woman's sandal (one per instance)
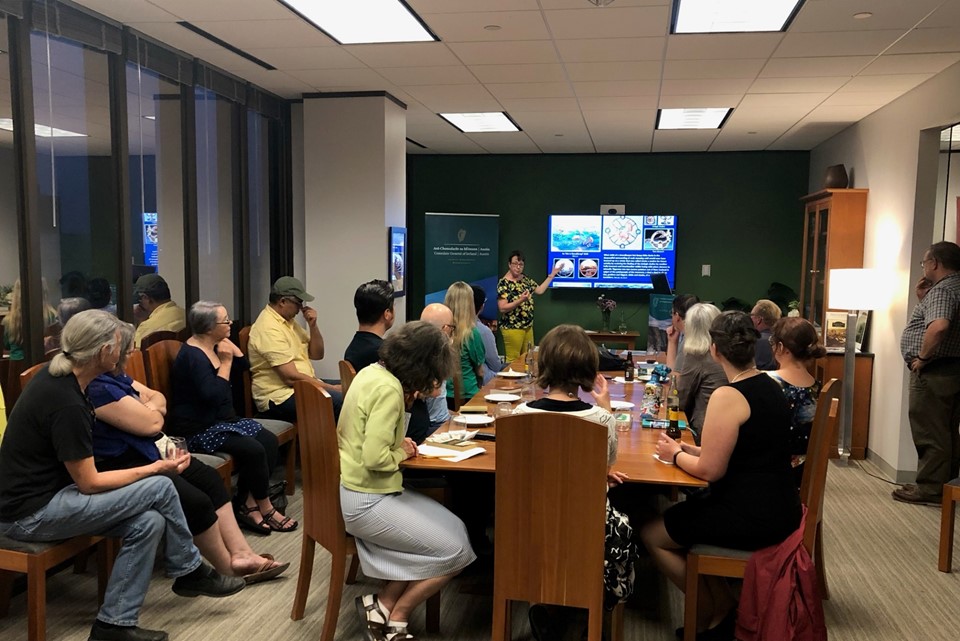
(279, 526)
(247, 522)
(368, 607)
(397, 634)
(266, 571)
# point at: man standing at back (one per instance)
(930, 346)
(374, 304)
(280, 351)
(765, 313)
(153, 298)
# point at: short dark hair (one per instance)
(275, 298)
(567, 358)
(518, 254)
(479, 297)
(73, 284)
(99, 293)
(735, 337)
(371, 300)
(799, 337)
(946, 253)
(683, 302)
(419, 355)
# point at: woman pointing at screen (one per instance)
(515, 300)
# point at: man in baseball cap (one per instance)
(153, 298)
(280, 351)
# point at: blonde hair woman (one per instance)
(13, 322)
(467, 341)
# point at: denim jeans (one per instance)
(139, 514)
(287, 410)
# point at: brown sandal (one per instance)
(282, 525)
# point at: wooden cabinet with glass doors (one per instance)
(833, 231)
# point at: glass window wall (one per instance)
(262, 185)
(10, 328)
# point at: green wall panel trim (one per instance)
(738, 212)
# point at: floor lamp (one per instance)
(853, 290)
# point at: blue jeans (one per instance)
(139, 514)
(287, 410)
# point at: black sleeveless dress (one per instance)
(756, 503)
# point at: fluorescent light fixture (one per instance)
(733, 16)
(370, 21)
(708, 118)
(43, 131)
(483, 122)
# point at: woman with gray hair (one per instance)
(700, 375)
(50, 488)
(202, 410)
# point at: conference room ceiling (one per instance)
(582, 79)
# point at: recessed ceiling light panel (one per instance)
(483, 122)
(370, 21)
(43, 131)
(733, 16)
(709, 118)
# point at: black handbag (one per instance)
(609, 361)
(278, 496)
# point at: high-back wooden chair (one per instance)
(135, 367)
(346, 375)
(27, 375)
(322, 519)
(159, 363)
(155, 337)
(703, 560)
(11, 391)
(550, 517)
(948, 511)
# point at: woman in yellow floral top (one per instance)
(515, 301)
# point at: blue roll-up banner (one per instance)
(462, 247)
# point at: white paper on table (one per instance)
(447, 454)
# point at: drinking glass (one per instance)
(528, 392)
(624, 420)
(504, 409)
(176, 446)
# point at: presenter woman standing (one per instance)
(515, 300)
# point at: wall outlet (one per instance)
(704, 270)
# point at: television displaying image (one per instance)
(612, 252)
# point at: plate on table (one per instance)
(473, 419)
(509, 373)
(621, 405)
(501, 398)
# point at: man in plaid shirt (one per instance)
(930, 345)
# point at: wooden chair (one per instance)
(551, 474)
(346, 375)
(11, 392)
(703, 560)
(27, 375)
(160, 335)
(951, 496)
(284, 431)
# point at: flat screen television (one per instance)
(612, 252)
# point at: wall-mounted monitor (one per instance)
(612, 252)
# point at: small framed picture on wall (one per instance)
(397, 260)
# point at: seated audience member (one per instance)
(440, 316)
(73, 284)
(50, 488)
(795, 344)
(280, 351)
(153, 298)
(129, 417)
(701, 375)
(567, 362)
(374, 304)
(100, 295)
(66, 309)
(202, 411)
(414, 360)
(753, 501)
(765, 313)
(13, 322)
(466, 342)
(3, 415)
(491, 357)
(681, 303)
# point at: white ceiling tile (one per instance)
(939, 40)
(327, 79)
(691, 101)
(130, 10)
(583, 71)
(578, 4)
(798, 85)
(621, 131)
(493, 53)
(530, 90)
(455, 98)
(469, 27)
(193, 11)
(900, 82)
(723, 46)
(765, 119)
(553, 121)
(540, 104)
(518, 73)
(741, 141)
(611, 49)
(173, 35)
(813, 67)
(837, 43)
(278, 82)
(250, 34)
(618, 103)
(406, 76)
(704, 86)
(948, 15)
(868, 98)
(288, 58)
(423, 7)
(787, 100)
(505, 143)
(407, 54)
(617, 88)
(837, 15)
(911, 63)
(610, 22)
(691, 69)
(839, 113)
(683, 140)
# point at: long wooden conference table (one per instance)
(634, 453)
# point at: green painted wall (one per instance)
(738, 212)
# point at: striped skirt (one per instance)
(405, 536)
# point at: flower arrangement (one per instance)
(605, 304)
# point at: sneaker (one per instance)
(106, 632)
(911, 494)
(205, 581)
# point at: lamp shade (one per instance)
(854, 289)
